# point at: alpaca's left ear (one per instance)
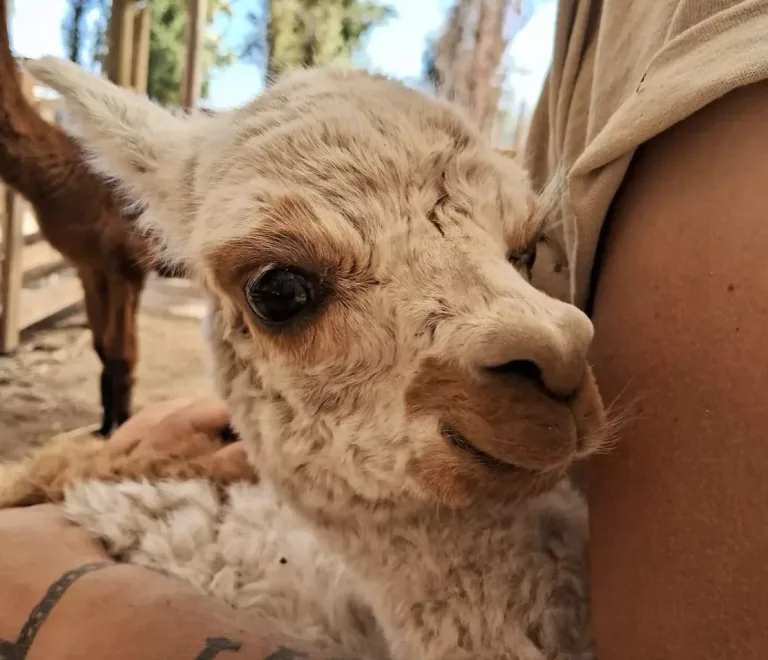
(132, 136)
(127, 137)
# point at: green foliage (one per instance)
(289, 34)
(167, 47)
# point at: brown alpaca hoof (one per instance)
(105, 430)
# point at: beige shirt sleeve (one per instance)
(622, 72)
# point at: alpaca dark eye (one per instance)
(279, 295)
(524, 259)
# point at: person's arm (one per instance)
(62, 599)
(678, 509)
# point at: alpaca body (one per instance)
(490, 585)
(387, 362)
(495, 583)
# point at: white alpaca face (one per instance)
(367, 254)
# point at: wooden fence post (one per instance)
(10, 285)
(142, 26)
(119, 62)
(197, 13)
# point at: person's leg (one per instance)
(679, 509)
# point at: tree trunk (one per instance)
(487, 77)
(269, 36)
(469, 57)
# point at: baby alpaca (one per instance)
(401, 386)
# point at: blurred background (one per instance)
(490, 55)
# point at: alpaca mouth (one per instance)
(460, 442)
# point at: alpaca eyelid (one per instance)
(257, 273)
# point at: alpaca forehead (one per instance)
(346, 162)
(388, 216)
(352, 142)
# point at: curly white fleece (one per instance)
(242, 546)
(245, 547)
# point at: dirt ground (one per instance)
(51, 384)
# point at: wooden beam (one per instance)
(49, 301)
(142, 26)
(120, 57)
(12, 271)
(197, 12)
(12, 268)
(114, 27)
(39, 260)
(125, 44)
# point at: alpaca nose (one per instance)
(548, 350)
(524, 369)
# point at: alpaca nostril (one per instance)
(524, 369)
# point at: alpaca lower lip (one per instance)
(461, 443)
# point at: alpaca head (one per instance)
(368, 258)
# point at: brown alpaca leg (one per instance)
(96, 295)
(121, 345)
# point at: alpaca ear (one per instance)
(130, 139)
(128, 136)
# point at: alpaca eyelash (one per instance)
(539, 236)
(547, 211)
(544, 221)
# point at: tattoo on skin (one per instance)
(19, 650)
(216, 645)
